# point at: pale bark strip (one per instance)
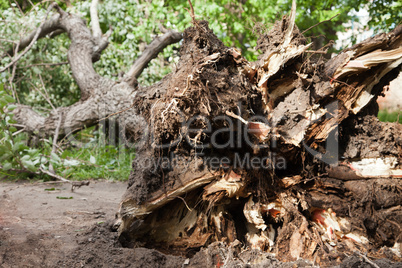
(96, 30)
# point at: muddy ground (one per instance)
(39, 229)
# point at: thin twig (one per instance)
(44, 64)
(56, 134)
(47, 94)
(15, 95)
(192, 12)
(185, 203)
(315, 51)
(54, 175)
(237, 117)
(43, 95)
(53, 5)
(367, 259)
(122, 111)
(15, 65)
(320, 23)
(19, 131)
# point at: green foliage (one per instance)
(4, 4)
(98, 162)
(385, 14)
(15, 156)
(385, 116)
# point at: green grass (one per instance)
(99, 162)
(385, 116)
(94, 160)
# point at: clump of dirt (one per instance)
(375, 134)
(269, 42)
(99, 247)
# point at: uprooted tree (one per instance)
(283, 154)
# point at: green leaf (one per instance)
(12, 129)
(55, 158)
(50, 189)
(19, 146)
(7, 166)
(64, 197)
(6, 156)
(25, 157)
(28, 164)
(11, 107)
(9, 99)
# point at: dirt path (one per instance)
(38, 229)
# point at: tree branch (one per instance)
(152, 50)
(84, 49)
(54, 175)
(44, 28)
(96, 30)
(56, 135)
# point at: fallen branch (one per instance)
(54, 175)
(35, 37)
(44, 64)
(152, 50)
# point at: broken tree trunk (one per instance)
(281, 154)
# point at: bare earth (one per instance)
(39, 230)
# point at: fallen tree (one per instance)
(252, 151)
(282, 154)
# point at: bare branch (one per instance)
(96, 30)
(152, 50)
(32, 41)
(15, 95)
(54, 175)
(44, 64)
(51, 27)
(56, 135)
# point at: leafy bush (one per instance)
(95, 160)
